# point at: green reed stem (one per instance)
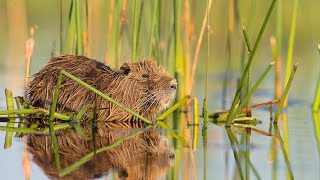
(285, 93)
(71, 31)
(235, 152)
(21, 119)
(104, 96)
(245, 34)
(60, 26)
(89, 156)
(291, 40)
(233, 114)
(136, 25)
(173, 108)
(283, 149)
(34, 111)
(279, 28)
(245, 155)
(79, 31)
(246, 71)
(10, 106)
(196, 123)
(247, 149)
(34, 129)
(51, 125)
(154, 19)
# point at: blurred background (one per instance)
(117, 31)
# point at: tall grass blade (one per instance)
(246, 71)
(79, 31)
(291, 44)
(233, 114)
(283, 149)
(235, 152)
(51, 125)
(22, 120)
(285, 93)
(196, 123)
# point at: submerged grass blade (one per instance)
(235, 152)
(252, 54)
(21, 118)
(51, 125)
(196, 121)
(10, 106)
(245, 155)
(183, 142)
(283, 149)
(173, 108)
(243, 103)
(285, 93)
(89, 156)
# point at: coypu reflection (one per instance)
(146, 156)
(143, 86)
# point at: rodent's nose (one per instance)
(173, 84)
(171, 155)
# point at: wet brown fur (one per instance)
(142, 86)
(146, 156)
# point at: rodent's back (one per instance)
(72, 96)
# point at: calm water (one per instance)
(220, 162)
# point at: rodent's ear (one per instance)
(125, 69)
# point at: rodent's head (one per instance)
(156, 88)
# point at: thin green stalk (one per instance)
(79, 32)
(279, 27)
(245, 155)
(248, 84)
(51, 125)
(69, 43)
(247, 149)
(89, 156)
(21, 119)
(246, 71)
(235, 152)
(173, 108)
(60, 26)
(245, 34)
(291, 42)
(10, 106)
(233, 114)
(285, 93)
(283, 149)
(196, 123)
(34, 111)
(136, 21)
(34, 129)
(104, 96)
(154, 18)
(205, 150)
(205, 101)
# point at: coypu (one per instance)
(141, 86)
(145, 156)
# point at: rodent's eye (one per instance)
(145, 75)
